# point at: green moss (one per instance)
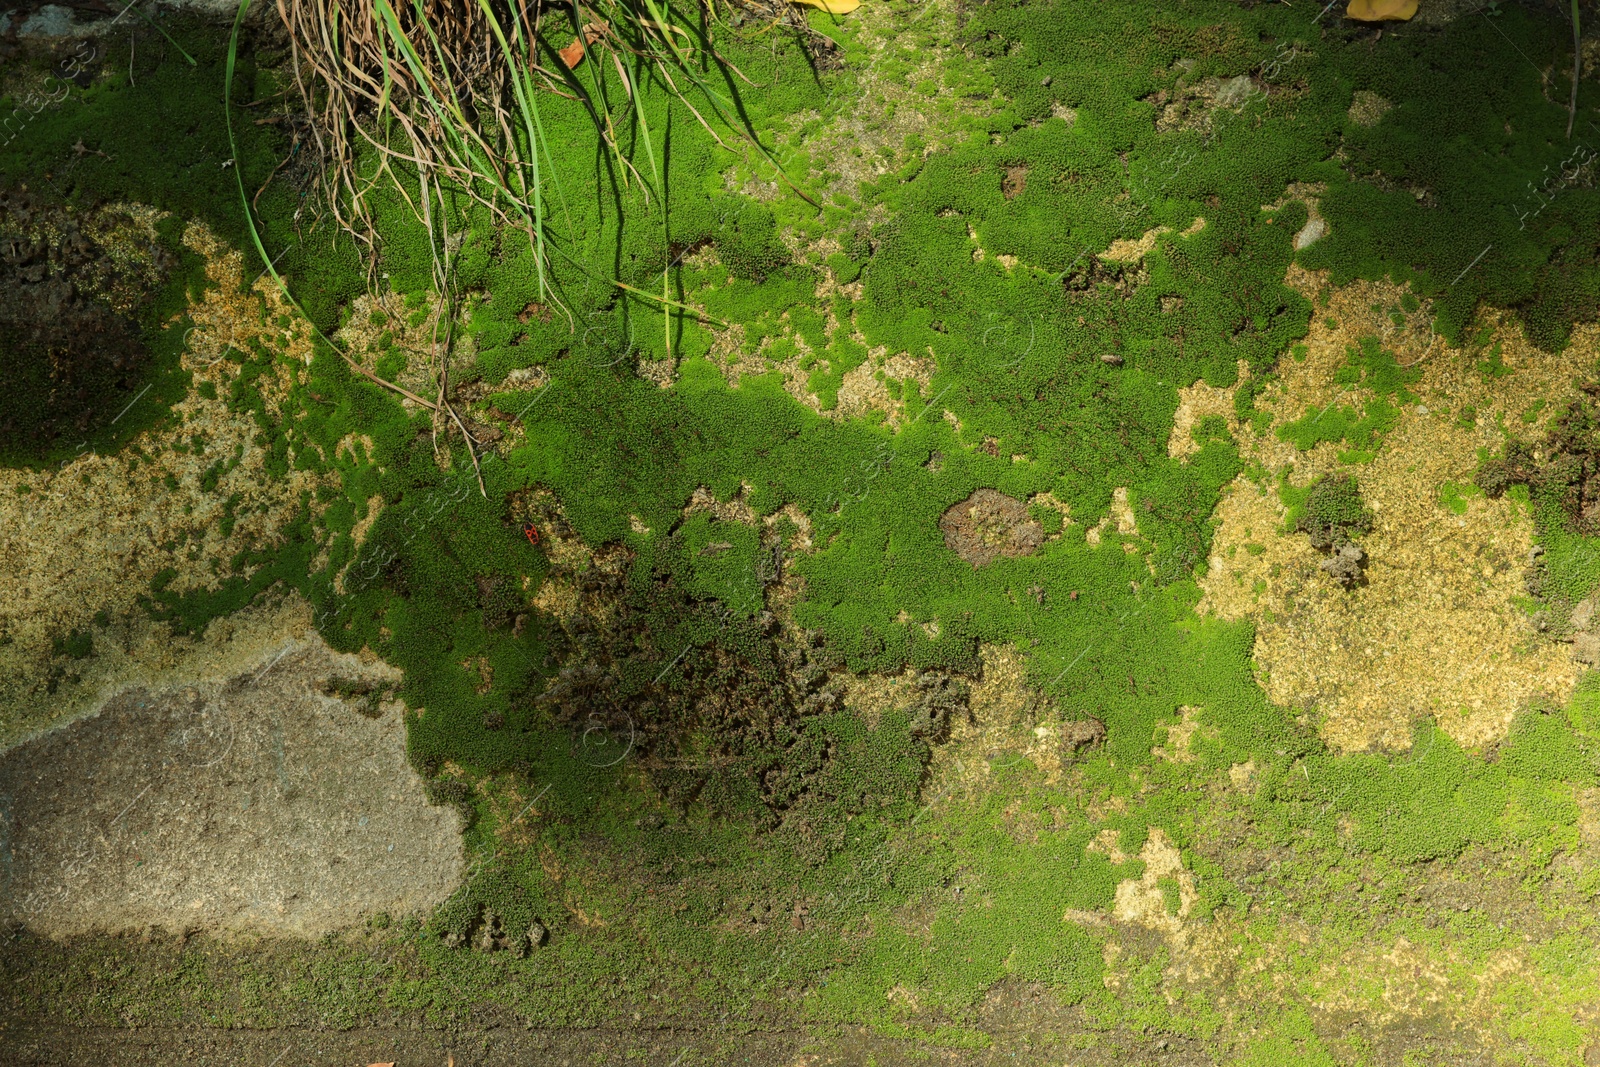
(76, 645)
(1341, 423)
(1455, 496)
(1330, 510)
(748, 245)
(1493, 366)
(814, 870)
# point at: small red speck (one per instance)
(532, 533)
(1074, 594)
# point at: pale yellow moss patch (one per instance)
(1179, 736)
(1124, 250)
(1143, 901)
(734, 509)
(91, 534)
(1367, 108)
(1197, 402)
(1436, 631)
(864, 390)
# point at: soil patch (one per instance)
(988, 525)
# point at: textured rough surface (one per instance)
(90, 536)
(214, 806)
(988, 525)
(1436, 631)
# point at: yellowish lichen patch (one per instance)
(1196, 402)
(90, 535)
(1436, 631)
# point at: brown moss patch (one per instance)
(988, 525)
(88, 537)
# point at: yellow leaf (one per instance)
(1381, 10)
(832, 7)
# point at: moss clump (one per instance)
(1514, 467)
(75, 645)
(749, 246)
(1567, 478)
(1333, 513)
(71, 352)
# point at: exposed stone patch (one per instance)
(801, 541)
(1014, 182)
(1176, 750)
(864, 390)
(1004, 715)
(567, 591)
(1048, 500)
(661, 371)
(412, 345)
(1310, 194)
(534, 378)
(212, 804)
(1119, 517)
(1192, 105)
(1076, 736)
(864, 142)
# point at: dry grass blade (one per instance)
(449, 89)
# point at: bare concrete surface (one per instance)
(257, 801)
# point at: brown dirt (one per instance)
(988, 525)
(1014, 182)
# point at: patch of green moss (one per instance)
(1330, 510)
(1455, 496)
(860, 882)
